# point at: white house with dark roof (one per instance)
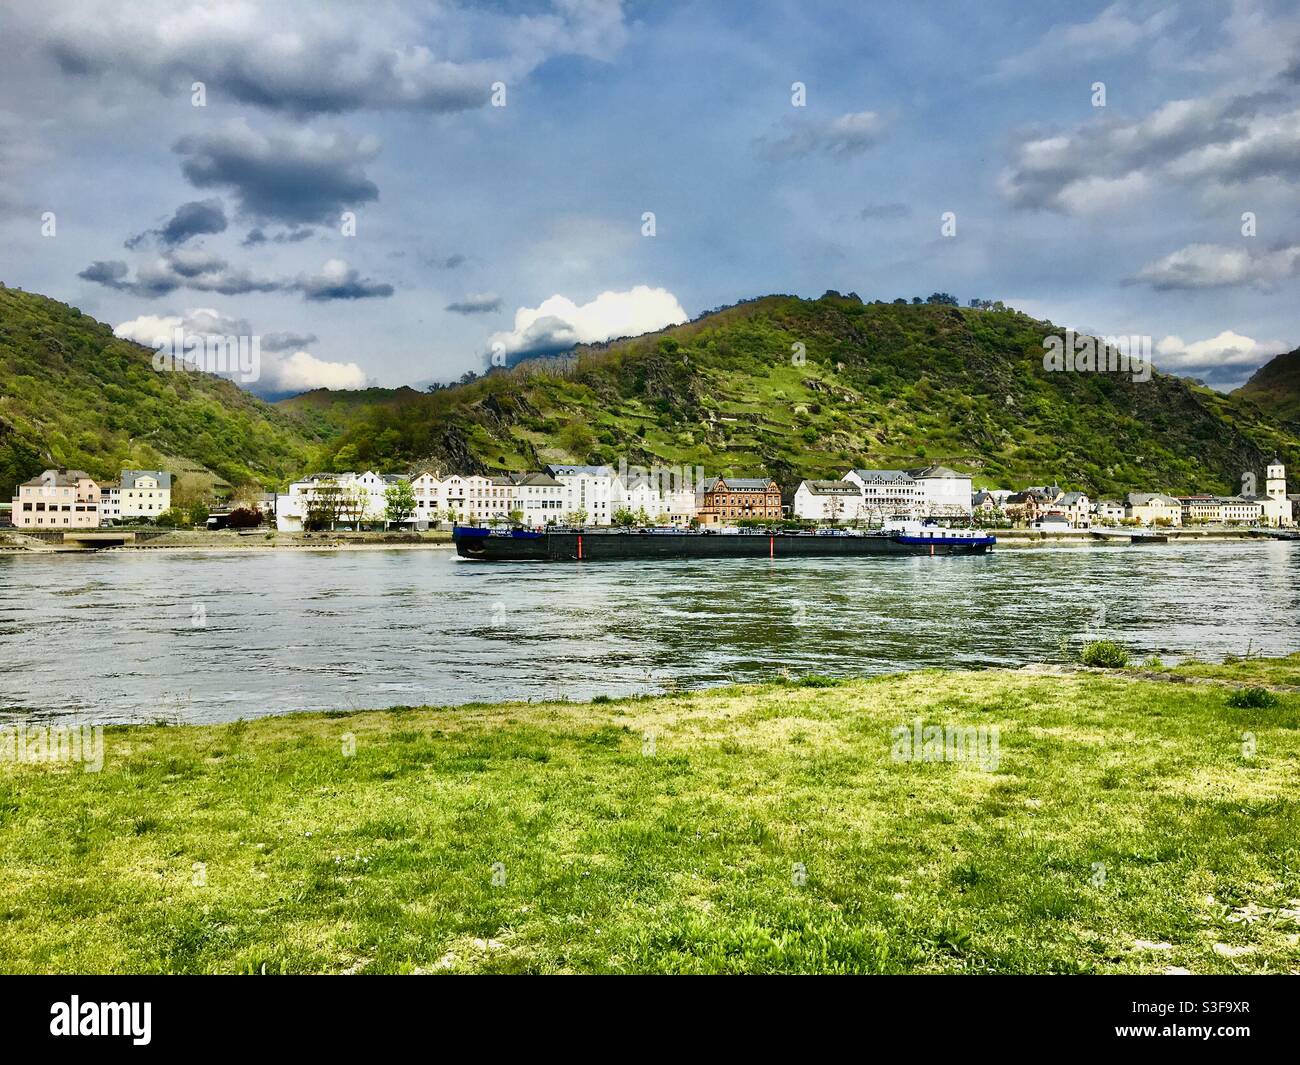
(139, 494)
(944, 492)
(828, 501)
(587, 489)
(538, 497)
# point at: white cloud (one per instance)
(1227, 349)
(298, 372)
(1215, 266)
(559, 323)
(302, 371)
(1111, 33)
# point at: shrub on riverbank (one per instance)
(1105, 654)
(755, 829)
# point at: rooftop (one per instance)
(829, 488)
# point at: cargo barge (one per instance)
(577, 545)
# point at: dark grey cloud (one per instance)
(296, 177)
(200, 271)
(339, 281)
(292, 235)
(193, 219)
(303, 59)
(840, 138)
(287, 341)
(476, 303)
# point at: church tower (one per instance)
(1275, 483)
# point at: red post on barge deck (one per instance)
(579, 547)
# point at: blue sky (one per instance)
(521, 226)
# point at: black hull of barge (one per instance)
(573, 547)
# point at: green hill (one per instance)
(72, 394)
(1275, 388)
(887, 385)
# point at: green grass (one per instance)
(750, 829)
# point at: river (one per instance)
(128, 635)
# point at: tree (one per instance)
(576, 517)
(624, 517)
(942, 298)
(325, 505)
(399, 502)
(577, 439)
(516, 517)
(198, 513)
(244, 518)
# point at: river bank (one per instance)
(258, 540)
(199, 540)
(1105, 823)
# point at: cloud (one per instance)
(840, 138)
(292, 235)
(302, 372)
(201, 271)
(559, 323)
(176, 269)
(1223, 361)
(299, 371)
(1113, 32)
(1208, 143)
(1200, 266)
(148, 329)
(476, 303)
(304, 59)
(885, 210)
(297, 176)
(339, 281)
(196, 218)
(286, 341)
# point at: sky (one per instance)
(398, 192)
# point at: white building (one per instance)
(1240, 511)
(539, 498)
(587, 489)
(1075, 507)
(1278, 508)
(1147, 508)
(335, 499)
(928, 492)
(1107, 512)
(478, 498)
(945, 493)
(430, 498)
(829, 501)
(139, 494)
(887, 494)
(669, 495)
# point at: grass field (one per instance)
(1125, 825)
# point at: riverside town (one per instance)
(681, 497)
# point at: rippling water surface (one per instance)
(129, 636)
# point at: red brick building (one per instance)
(730, 499)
